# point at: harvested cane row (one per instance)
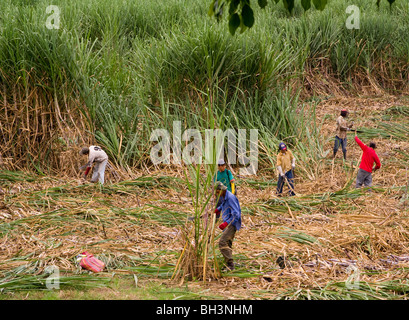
(330, 241)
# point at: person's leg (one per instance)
(101, 171)
(280, 184)
(368, 180)
(95, 173)
(336, 145)
(344, 147)
(290, 178)
(225, 245)
(360, 178)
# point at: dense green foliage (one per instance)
(241, 13)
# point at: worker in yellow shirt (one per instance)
(285, 167)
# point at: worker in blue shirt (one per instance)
(230, 211)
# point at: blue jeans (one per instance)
(281, 181)
(340, 142)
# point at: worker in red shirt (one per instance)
(369, 157)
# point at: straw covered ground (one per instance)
(330, 241)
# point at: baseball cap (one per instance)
(282, 146)
(220, 162)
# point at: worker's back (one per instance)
(369, 157)
(96, 154)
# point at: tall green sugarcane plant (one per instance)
(199, 232)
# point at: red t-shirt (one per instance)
(368, 158)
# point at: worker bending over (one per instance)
(99, 158)
(230, 211)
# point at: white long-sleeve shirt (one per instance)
(96, 154)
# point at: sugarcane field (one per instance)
(204, 150)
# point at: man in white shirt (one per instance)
(100, 158)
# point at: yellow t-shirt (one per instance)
(285, 160)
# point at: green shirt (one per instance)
(225, 177)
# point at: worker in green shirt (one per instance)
(226, 177)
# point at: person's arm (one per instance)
(86, 171)
(88, 165)
(280, 170)
(231, 179)
(377, 162)
(91, 159)
(360, 143)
